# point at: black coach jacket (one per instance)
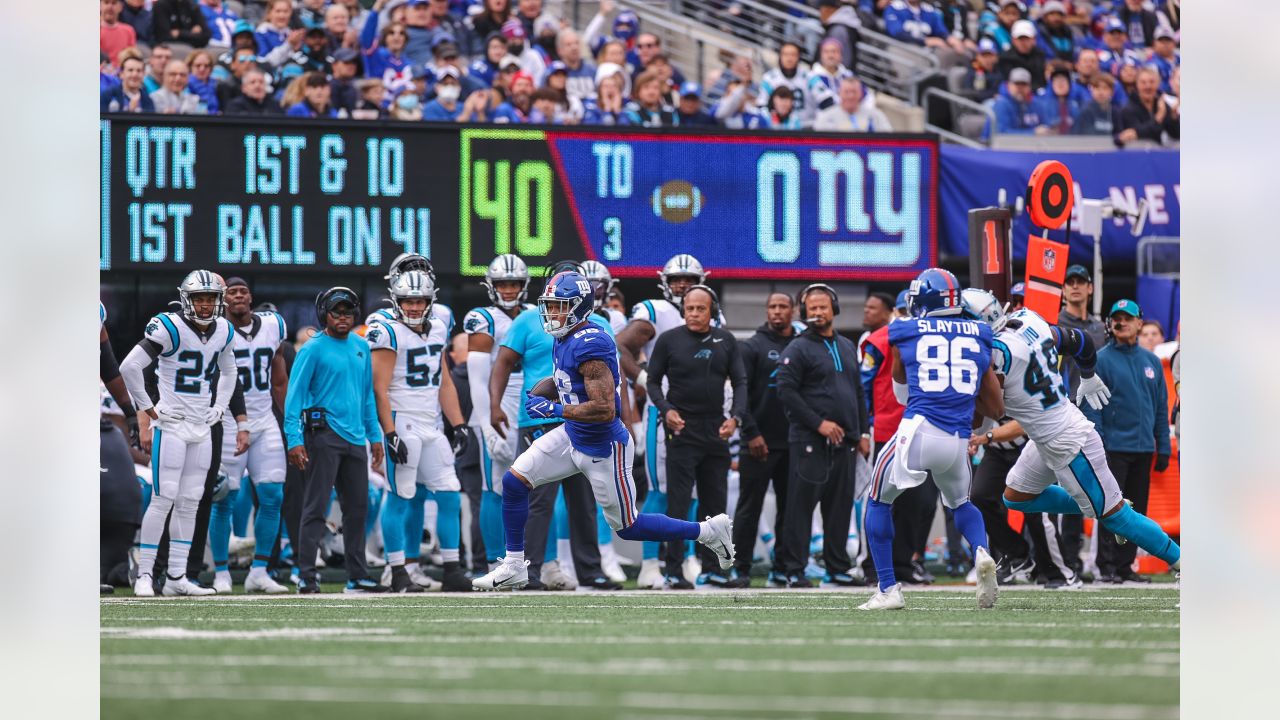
(818, 380)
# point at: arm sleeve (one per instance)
(138, 359)
(228, 377)
(656, 371)
(237, 407)
(592, 31)
(108, 368)
(479, 365)
(298, 396)
(738, 378)
(790, 377)
(369, 33)
(1074, 342)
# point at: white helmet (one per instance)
(412, 284)
(405, 262)
(600, 278)
(201, 282)
(981, 305)
(503, 268)
(681, 265)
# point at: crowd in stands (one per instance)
(1109, 67)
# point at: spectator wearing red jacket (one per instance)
(113, 35)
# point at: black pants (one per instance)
(823, 474)
(334, 463)
(1052, 556)
(472, 481)
(200, 536)
(291, 507)
(580, 503)
(1133, 475)
(988, 496)
(913, 512)
(754, 477)
(696, 457)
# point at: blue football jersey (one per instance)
(590, 343)
(945, 360)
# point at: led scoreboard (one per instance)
(318, 196)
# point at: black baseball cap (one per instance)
(1080, 272)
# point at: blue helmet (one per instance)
(566, 302)
(626, 24)
(934, 293)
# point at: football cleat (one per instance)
(720, 540)
(650, 577)
(676, 582)
(400, 582)
(175, 587)
(1074, 583)
(776, 580)
(842, 580)
(454, 580)
(373, 559)
(610, 564)
(739, 582)
(308, 588)
(143, 587)
(364, 586)
(263, 583)
(890, 599)
(691, 568)
(105, 589)
(511, 574)
(425, 581)
(555, 578)
(603, 583)
(987, 587)
(1009, 572)
(222, 583)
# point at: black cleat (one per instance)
(364, 586)
(308, 587)
(401, 583)
(602, 583)
(1015, 572)
(739, 582)
(843, 580)
(677, 582)
(455, 580)
(105, 589)
(1128, 575)
(799, 582)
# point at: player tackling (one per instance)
(592, 441)
(1063, 468)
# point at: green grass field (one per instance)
(1089, 654)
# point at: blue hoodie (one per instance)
(1137, 418)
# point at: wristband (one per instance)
(242, 427)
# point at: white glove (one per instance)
(172, 416)
(213, 415)
(638, 432)
(499, 447)
(1093, 391)
(642, 378)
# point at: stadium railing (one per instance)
(696, 48)
(968, 116)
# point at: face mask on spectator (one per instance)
(448, 93)
(407, 101)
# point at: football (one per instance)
(677, 201)
(546, 387)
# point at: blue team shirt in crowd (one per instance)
(945, 359)
(527, 337)
(913, 25)
(570, 352)
(221, 23)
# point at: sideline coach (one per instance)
(820, 384)
(330, 405)
(696, 360)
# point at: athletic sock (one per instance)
(393, 512)
(180, 532)
(515, 513)
(153, 524)
(969, 522)
(413, 524)
(242, 506)
(655, 503)
(448, 522)
(220, 530)
(1143, 532)
(491, 524)
(652, 526)
(266, 524)
(1054, 500)
(880, 539)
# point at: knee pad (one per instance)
(513, 484)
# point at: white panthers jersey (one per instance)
(493, 321)
(1034, 392)
(617, 320)
(799, 86)
(255, 346)
(662, 314)
(187, 367)
(415, 381)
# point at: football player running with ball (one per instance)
(941, 372)
(1063, 469)
(193, 349)
(592, 441)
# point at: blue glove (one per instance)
(540, 407)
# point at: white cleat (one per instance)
(183, 587)
(555, 578)
(142, 587)
(374, 560)
(422, 579)
(610, 564)
(263, 583)
(987, 587)
(691, 569)
(720, 540)
(890, 599)
(509, 575)
(650, 577)
(222, 583)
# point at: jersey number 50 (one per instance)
(937, 374)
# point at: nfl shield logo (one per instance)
(1050, 260)
(1149, 372)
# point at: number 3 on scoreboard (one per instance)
(612, 238)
